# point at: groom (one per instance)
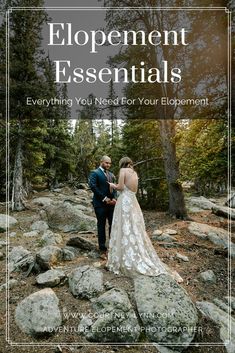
(103, 199)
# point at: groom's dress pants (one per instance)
(103, 214)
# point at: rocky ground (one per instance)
(52, 253)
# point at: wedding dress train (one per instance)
(130, 250)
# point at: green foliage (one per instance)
(203, 152)
(53, 151)
(27, 126)
(94, 137)
(59, 162)
(45, 132)
(83, 144)
(142, 143)
(203, 156)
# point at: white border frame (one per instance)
(55, 344)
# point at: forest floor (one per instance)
(201, 258)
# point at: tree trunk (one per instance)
(176, 196)
(28, 187)
(18, 189)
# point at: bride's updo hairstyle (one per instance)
(125, 162)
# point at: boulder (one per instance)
(208, 276)
(166, 310)
(17, 253)
(94, 254)
(164, 237)
(82, 243)
(33, 233)
(6, 221)
(76, 204)
(170, 231)
(220, 317)
(39, 313)
(29, 219)
(19, 259)
(203, 230)
(222, 305)
(108, 285)
(50, 238)
(82, 192)
(182, 257)
(157, 232)
(230, 300)
(86, 282)
(50, 278)
(42, 201)
(73, 249)
(84, 201)
(40, 226)
(68, 255)
(217, 236)
(85, 324)
(11, 284)
(224, 211)
(67, 218)
(231, 201)
(197, 204)
(85, 209)
(48, 256)
(116, 319)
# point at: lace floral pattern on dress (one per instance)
(130, 249)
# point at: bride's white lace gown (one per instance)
(130, 249)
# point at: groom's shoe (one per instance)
(104, 255)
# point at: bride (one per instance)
(130, 249)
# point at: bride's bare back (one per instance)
(130, 179)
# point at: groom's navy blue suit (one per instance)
(98, 182)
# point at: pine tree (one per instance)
(59, 163)
(189, 57)
(112, 113)
(26, 123)
(203, 154)
(141, 20)
(84, 139)
(84, 144)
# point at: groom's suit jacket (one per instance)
(98, 183)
